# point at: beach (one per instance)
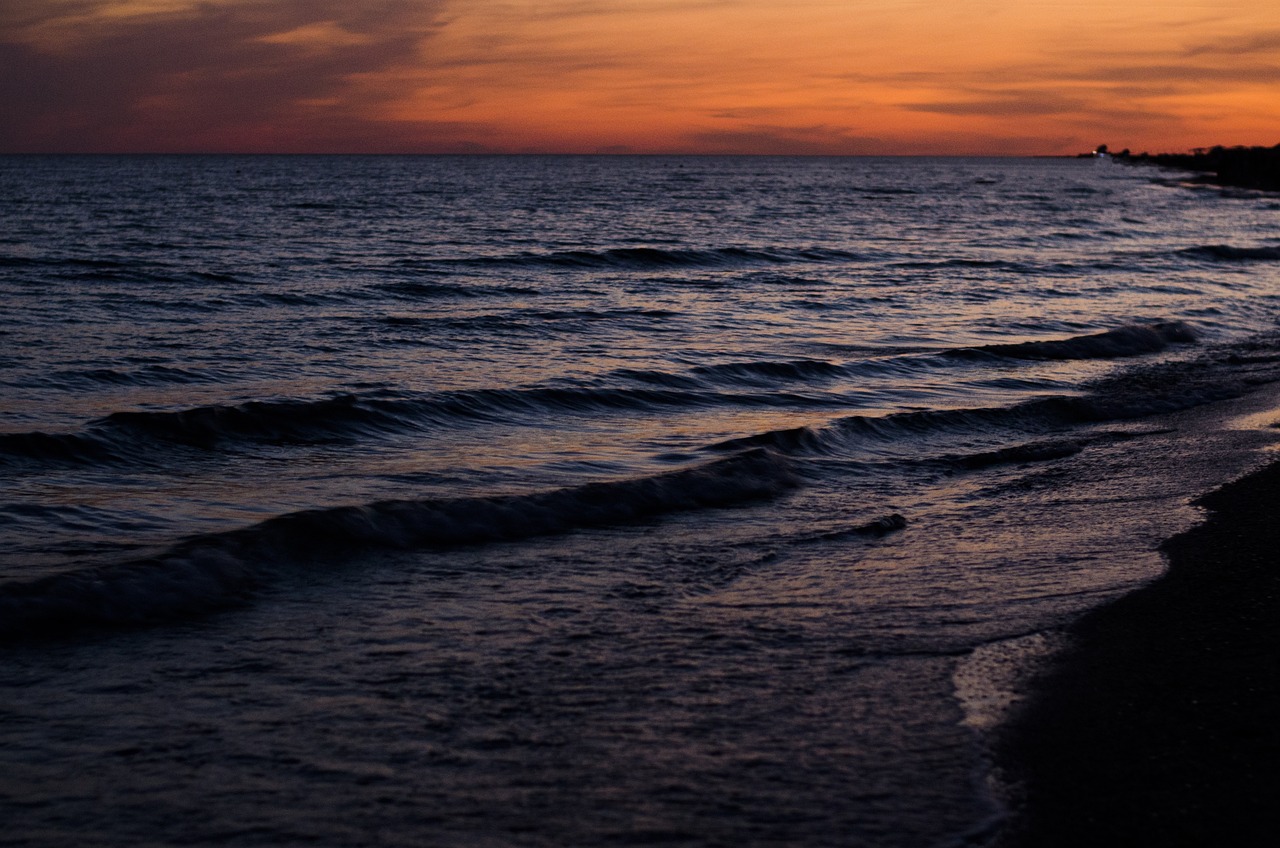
(1158, 727)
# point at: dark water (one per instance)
(584, 501)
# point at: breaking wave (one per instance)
(839, 437)
(1229, 253)
(882, 526)
(1017, 454)
(134, 435)
(209, 572)
(1129, 340)
(131, 436)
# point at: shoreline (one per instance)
(1158, 726)
(1255, 168)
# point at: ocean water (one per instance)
(550, 501)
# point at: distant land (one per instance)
(1247, 167)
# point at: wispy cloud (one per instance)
(1184, 75)
(1005, 105)
(1266, 43)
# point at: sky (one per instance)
(949, 77)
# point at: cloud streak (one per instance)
(1006, 105)
(1266, 43)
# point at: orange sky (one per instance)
(698, 76)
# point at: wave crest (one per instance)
(210, 572)
(640, 258)
(134, 436)
(1230, 253)
(1129, 340)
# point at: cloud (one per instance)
(1182, 74)
(559, 11)
(1258, 42)
(1028, 104)
(86, 76)
(820, 140)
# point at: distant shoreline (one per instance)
(1242, 167)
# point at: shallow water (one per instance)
(556, 500)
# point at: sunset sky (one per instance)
(648, 76)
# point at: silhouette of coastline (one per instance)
(1245, 167)
(1160, 726)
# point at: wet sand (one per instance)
(1161, 727)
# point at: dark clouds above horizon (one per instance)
(226, 72)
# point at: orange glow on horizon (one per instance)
(698, 76)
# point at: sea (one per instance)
(587, 501)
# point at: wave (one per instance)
(882, 526)
(150, 375)
(499, 404)
(655, 377)
(1129, 340)
(886, 191)
(70, 448)
(134, 436)
(422, 290)
(802, 369)
(839, 436)
(1017, 454)
(640, 258)
(207, 573)
(1229, 253)
(277, 422)
(957, 262)
(1128, 399)
(902, 363)
(68, 262)
(132, 270)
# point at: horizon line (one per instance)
(580, 154)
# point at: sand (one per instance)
(1161, 726)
